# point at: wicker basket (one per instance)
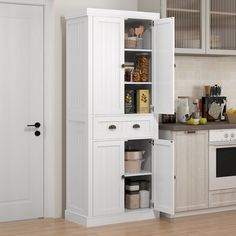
(231, 117)
(130, 42)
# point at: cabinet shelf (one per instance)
(183, 10)
(139, 83)
(141, 173)
(138, 210)
(223, 13)
(137, 50)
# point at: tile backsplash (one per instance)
(192, 73)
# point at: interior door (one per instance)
(163, 176)
(21, 104)
(163, 65)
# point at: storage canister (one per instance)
(132, 186)
(132, 200)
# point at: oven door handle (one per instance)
(222, 144)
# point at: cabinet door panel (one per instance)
(108, 47)
(191, 152)
(163, 176)
(108, 186)
(221, 27)
(163, 67)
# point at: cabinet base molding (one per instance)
(199, 212)
(91, 221)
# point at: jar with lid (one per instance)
(142, 64)
(183, 109)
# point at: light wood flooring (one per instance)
(222, 224)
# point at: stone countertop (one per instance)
(208, 126)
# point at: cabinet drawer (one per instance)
(139, 128)
(123, 127)
(107, 129)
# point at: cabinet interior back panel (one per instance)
(107, 59)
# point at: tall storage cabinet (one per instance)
(101, 126)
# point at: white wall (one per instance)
(67, 7)
(193, 72)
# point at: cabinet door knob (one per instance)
(136, 126)
(112, 127)
(123, 177)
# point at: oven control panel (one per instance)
(222, 135)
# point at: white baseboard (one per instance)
(128, 216)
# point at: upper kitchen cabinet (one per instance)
(189, 24)
(201, 26)
(221, 27)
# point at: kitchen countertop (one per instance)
(208, 126)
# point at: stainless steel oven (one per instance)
(222, 159)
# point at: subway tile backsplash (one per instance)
(193, 72)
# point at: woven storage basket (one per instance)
(231, 118)
(130, 42)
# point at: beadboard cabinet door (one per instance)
(108, 56)
(108, 185)
(191, 170)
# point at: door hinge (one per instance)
(151, 23)
(151, 108)
(151, 142)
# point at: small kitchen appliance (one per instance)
(214, 108)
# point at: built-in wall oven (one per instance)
(222, 159)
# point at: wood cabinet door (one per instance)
(191, 170)
(108, 185)
(108, 56)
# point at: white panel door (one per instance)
(108, 185)
(163, 176)
(108, 56)
(163, 64)
(21, 104)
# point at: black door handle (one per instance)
(36, 125)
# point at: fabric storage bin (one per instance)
(133, 166)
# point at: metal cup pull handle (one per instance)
(136, 126)
(112, 127)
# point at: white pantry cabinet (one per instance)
(99, 125)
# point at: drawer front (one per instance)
(139, 128)
(220, 198)
(108, 129)
(123, 127)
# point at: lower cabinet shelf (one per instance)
(141, 173)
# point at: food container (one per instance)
(133, 166)
(144, 198)
(231, 118)
(133, 155)
(132, 186)
(132, 200)
(130, 42)
(142, 101)
(142, 63)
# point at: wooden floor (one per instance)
(222, 224)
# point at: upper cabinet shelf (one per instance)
(201, 26)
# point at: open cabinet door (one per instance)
(163, 65)
(163, 176)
